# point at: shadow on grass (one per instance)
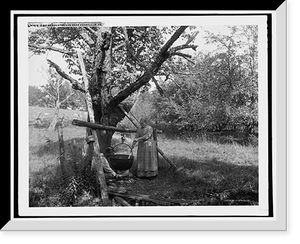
(48, 187)
(72, 146)
(212, 181)
(207, 182)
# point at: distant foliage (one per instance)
(56, 90)
(218, 92)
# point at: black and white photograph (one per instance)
(144, 116)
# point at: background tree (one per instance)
(35, 96)
(218, 90)
(126, 58)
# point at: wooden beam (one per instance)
(129, 117)
(94, 126)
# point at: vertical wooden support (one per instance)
(61, 148)
(97, 159)
(155, 141)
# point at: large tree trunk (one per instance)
(111, 118)
(101, 77)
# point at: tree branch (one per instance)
(50, 94)
(91, 31)
(72, 93)
(184, 46)
(87, 39)
(184, 55)
(136, 59)
(56, 49)
(162, 56)
(75, 84)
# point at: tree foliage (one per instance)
(219, 91)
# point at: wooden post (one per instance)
(61, 148)
(97, 159)
(155, 141)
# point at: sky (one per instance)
(38, 63)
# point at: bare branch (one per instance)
(71, 94)
(87, 39)
(75, 84)
(45, 90)
(160, 90)
(91, 31)
(184, 46)
(56, 49)
(192, 37)
(184, 55)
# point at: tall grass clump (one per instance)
(48, 186)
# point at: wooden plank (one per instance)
(97, 159)
(94, 126)
(165, 157)
(121, 201)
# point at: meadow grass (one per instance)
(211, 173)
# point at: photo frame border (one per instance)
(108, 223)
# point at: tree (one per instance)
(126, 58)
(35, 96)
(219, 90)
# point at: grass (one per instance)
(212, 173)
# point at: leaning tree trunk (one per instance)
(54, 121)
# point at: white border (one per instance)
(261, 209)
(107, 225)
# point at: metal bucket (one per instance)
(121, 161)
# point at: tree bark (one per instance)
(54, 120)
(97, 159)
